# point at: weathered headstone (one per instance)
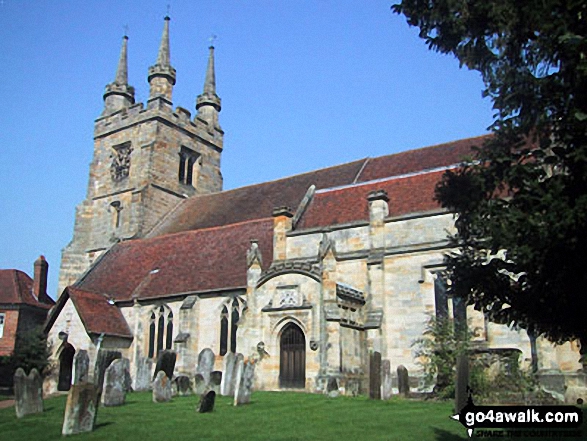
(375, 376)
(386, 387)
(215, 381)
(200, 384)
(114, 393)
(462, 383)
(205, 364)
(81, 409)
(81, 367)
(165, 363)
(207, 402)
(244, 382)
(403, 381)
(183, 385)
(332, 387)
(227, 384)
(28, 392)
(144, 366)
(162, 388)
(103, 360)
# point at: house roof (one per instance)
(203, 260)
(258, 201)
(16, 288)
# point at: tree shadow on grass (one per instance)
(104, 424)
(444, 435)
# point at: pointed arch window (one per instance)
(160, 330)
(229, 326)
(187, 163)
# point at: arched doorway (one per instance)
(292, 357)
(65, 367)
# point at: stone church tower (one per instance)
(147, 158)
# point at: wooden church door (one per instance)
(292, 360)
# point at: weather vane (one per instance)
(125, 27)
(212, 39)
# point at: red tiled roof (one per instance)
(251, 202)
(16, 287)
(257, 201)
(193, 261)
(426, 158)
(410, 194)
(97, 314)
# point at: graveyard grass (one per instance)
(271, 416)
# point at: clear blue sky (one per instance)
(304, 84)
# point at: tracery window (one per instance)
(229, 321)
(160, 330)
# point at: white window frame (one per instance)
(2, 320)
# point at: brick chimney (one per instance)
(40, 279)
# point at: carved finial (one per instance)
(325, 246)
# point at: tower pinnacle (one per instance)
(208, 103)
(162, 74)
(119, 94)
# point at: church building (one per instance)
(309, 273)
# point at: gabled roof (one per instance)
(204, 260)
(258, 201)
(97, 313)
(16, 288)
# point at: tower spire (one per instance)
(119, 94)
(162, 75)
(208, 103)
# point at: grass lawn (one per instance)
(270, 416)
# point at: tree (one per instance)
(521, 201)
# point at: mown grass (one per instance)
(280, 416)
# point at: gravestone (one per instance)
(375, 376)
(215, 381)
(143, 374)
(103, 360)
(166, 363)
(207, 402)
(183, 385)
(162, 388)
(81, 367)
(205, 364)
(227, 384)
(81, 409)
(462, 383)
(385, 380)
(244, 382)
(332, 387)
(114, 393)
(403, 381)
(28, 392)
(200, 384)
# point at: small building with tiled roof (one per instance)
(24, 304)
(306, 275)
